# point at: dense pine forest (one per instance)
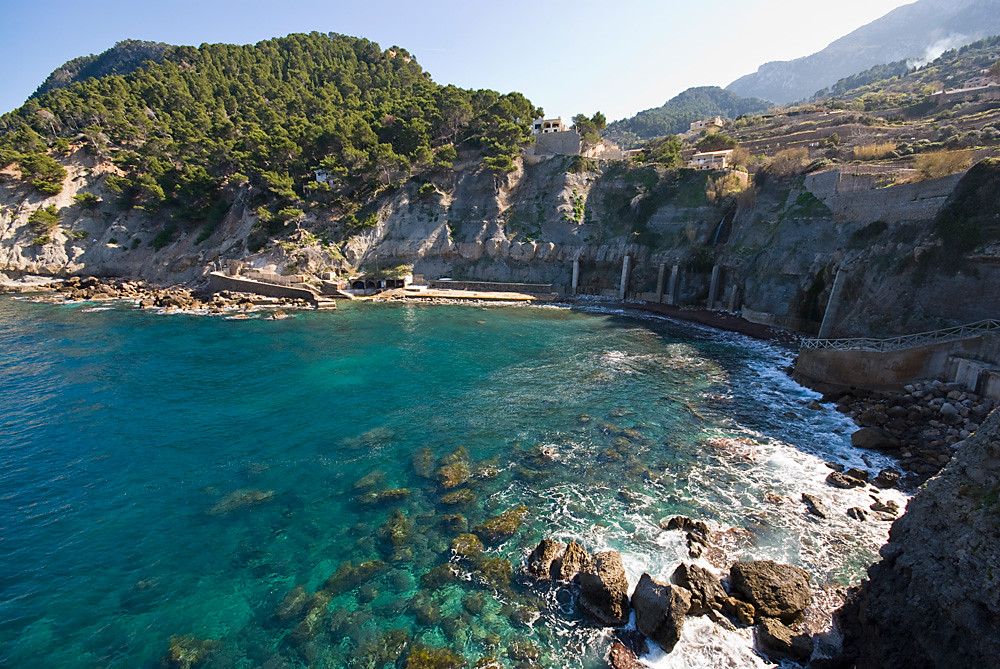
(189, 130)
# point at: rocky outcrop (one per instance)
(779, 642)
(660, 609)
(775, 590)
(933, 600)
(604, 589)
(705, 587)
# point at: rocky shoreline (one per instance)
(771, 598)
(923, 426)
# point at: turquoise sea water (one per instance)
(173, 476)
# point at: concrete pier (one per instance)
(672, 286)
(713, 288)
(626, 266)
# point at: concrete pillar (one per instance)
(626, 262)
(576, 276)
(659, 282)
(830, 315)
(713, 287)
(672, 286)
(734, 298)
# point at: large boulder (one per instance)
(540, 560)
(873, 438)
(705, 587)
(659, 610)
(778, 642)
(775, 590)
(604, 589)
(574, 560)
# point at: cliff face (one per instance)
(933, 600)
(778, 248)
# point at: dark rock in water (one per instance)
(835, 466)
(705, 587)
(621, 657)
(838, 480)
(887, 478)
(890, 508)
(425, 609)
(815, 506)
(686, 524)
(874, 438)
(187, 652)
(493, 572)
(293, 604)
(540, 560)
(857, 513)
(316, 611)
(743, 612)
(775, 590)
(474, 602)
(659, 610)
(369, 481)
(523, 651)
(574, 560)
(778, 642)
(396, 531)
(856, 473)
(440, 575)
(240, 499)
(503, 527)
(487, 663)
(453, 523)
(604, 589)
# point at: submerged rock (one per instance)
(348, 576)
(604, 589)
(425, 657)
(659, 610)
(458, 497)
(187, 652)
(293, 604)
(501, 528)
(775, 590)
(873, 438)
(466, 545)
(454, 474)
(239, 499)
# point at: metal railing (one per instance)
(904, 341)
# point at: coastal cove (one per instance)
(172, 476)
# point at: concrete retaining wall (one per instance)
(218, 281)
(830, 370)
(487, 287)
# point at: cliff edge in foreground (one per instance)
(933, 600)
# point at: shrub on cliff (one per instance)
(45, 219)
(43, 171)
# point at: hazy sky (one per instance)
(569, 57)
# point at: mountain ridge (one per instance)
(919, 31)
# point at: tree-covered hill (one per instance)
(677, 114)
(188, 130)
(124, 57)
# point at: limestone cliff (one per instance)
(775, 250)
(933, 600)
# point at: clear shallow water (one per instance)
(176, 475)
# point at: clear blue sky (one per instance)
(582, 56)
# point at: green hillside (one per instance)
(677, 114)
(189, 131)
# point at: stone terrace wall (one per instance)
(919, 201)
